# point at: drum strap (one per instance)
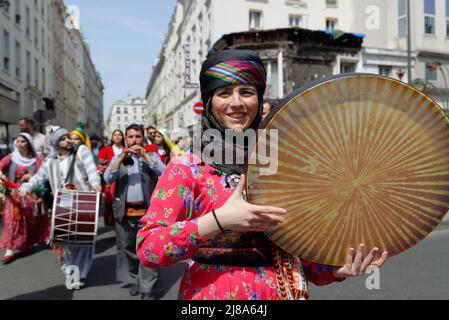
(70, 172)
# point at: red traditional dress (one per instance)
(161, 152)
(187, 190)
(105, 157)
(25, 223)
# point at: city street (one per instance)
(335, 110)
(420, 273)
(38, 276)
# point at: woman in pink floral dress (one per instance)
(24, 223)
(198, 210)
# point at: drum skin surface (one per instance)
(74, 217)
(361, 159)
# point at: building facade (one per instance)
(124, 113)
(197, 25)
(73, 77)
(59, 20)
(26, 62)
(92, 95)
(293, 57)
(42, 67)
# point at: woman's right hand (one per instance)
(24, 193)
(238, 215)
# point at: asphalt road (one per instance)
(38, 276)
(419, 273)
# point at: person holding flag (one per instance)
(26, 223)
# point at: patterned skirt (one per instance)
(213, 282)
(22, 231)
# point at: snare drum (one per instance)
(75, 217)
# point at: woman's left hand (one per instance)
(357, 265)
(26, 177)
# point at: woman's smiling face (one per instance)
(236, 106)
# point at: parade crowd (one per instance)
(168, 204)
(41, 163)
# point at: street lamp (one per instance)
(409, 44)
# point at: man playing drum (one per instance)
(63, 169)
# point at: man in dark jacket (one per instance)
(135, 173)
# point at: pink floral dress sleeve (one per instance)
(170, 232)
(319, 274)
(4, 164)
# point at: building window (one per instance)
(6, 52)
(27, 21)
(118, 118)
(18, 61)
(347, 67)
(331, 23)
(429, 16)
(255, 20)
(6, 9)
(36, 73)
(447, 18)
(295, 21)
(119, 111)
(28, 66)
(49, 16)
(126, 111)
(385, 71)
(36, 31)
(272, 79)
(44, 85)
(331, 4)
(18, 16)
(402, 18)
(43, 41)
(49, 48)
(431, 71)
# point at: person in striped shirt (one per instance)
(67, 167)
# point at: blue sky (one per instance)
(125, 37)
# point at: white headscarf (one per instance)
(17, 157)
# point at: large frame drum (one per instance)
(75, 217)
(361, 159)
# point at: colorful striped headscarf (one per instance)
(239, 72)
(230, 67)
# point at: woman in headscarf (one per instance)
(25, 221)
(198, 210)
(104, 158)
(80, 137)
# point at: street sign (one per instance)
(198, 108)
